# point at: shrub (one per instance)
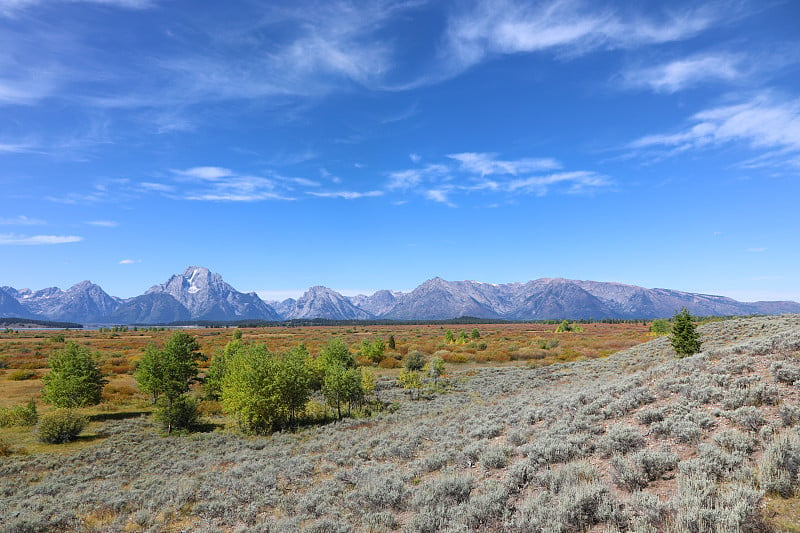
(415, 360)
(650, 416)
(21, 375)
(389, 362)
(19, 415)
(494, 457)
(780, 465)
(5, 448)
(785, 373)
(628, 475)
(748, 417)
(637, 470)
(790, 414)
(701, 505)
(735, 441)
(622, 439)
(181, 413)
(59, 426)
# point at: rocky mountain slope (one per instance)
(207, 297)
(321, 302)
(199, 294)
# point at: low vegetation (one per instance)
(642, 440)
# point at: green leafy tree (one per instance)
(74, 380)
(373, 350)
(449, 338)
(237, 335)
(367, 382)
(216, 372)
(685, 338)
(171, 370)
(342, 386)
(266, 391)
(476, 334)
(462, 338)
(294, 382)
(336, 353)
(250, 390)
(660, 326)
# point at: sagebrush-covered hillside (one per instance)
(640, 441)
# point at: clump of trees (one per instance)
(462, 338)
(420, 374)
(565, 326)
(267, 391)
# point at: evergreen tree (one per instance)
(685, 338)
(74, 380)
(392, 344)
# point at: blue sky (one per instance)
(369, 145)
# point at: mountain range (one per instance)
(199, 294)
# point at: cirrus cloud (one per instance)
(34, 240)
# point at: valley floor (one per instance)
(639, 441)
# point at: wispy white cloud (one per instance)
(21, 220)
(683, 73)
(563, 27)
(205, 173)
(157, 187)
(103, 223)
(762, 122)
(576, 182)
(32, 240)
(487, 164)
(15, 148)
(481, 172)
(438, 195)
(406, 179)
(218, 184)
(130, 261)
(347, 195)
(11, 7)
(756, 250)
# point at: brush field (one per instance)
(537, 432)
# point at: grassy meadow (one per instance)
(537, 431)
